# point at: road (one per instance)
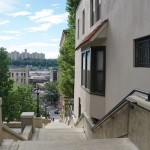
(51, 109)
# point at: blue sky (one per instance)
(35, 25)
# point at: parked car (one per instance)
(57, 111)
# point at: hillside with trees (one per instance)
(43, 63)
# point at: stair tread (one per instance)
(96, 144)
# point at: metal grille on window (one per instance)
(142, 52)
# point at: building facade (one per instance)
(112, 55)
(19, 75)
(53, 74)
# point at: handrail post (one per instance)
(1, 121)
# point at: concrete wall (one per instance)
(7, 133)
(139, 127)
(13, 124)
(114, 127)
(132, 122)
(127, 20)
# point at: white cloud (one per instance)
(7, 38)
(41, 14)
(42, 27)
(55, 5)
(33, 44)
(55, 40)
(2, 22)
(7, 5)
(46, 19)
(40, 44)
(21, 13)
(28, 5)
(12, 32)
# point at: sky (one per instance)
(35, 25)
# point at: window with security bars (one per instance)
(142, 52)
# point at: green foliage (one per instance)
(71, 7)
(5, 83)
(51, 92)
(66, 66)
(67, 54)
(19, 100)
(35, 63)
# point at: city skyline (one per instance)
(33, 26)
(15, 55)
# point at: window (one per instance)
(92, 12)
(78, 28)
(142, 52)
(21, 74)
(95, 11)
(12, 75)
(83, 24)
(98, 10)
(24, 74)
(17, 74)
(93, 70)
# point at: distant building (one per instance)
(19, 75)
(14, 55)
(37, 79)
(25, 55)
(63, 38)
(53, 74)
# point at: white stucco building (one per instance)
(112, 55)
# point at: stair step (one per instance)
(6, 144)
(96, 144)
(13, 145)
(56, 125)
(63, 130)
(61, 134)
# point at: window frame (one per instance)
(92, 12)
(92, 77)
(83, 22)
(78, 30)
(142, 52)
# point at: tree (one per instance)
(5, 83)
(67, 54)
(51, 92)
(71, 7)
(20, 100)
(66, 66)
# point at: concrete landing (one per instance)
(56, 125)
(98, 144)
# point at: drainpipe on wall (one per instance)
(1, 121)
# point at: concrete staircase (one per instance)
(59, 136)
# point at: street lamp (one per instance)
(45, 110)
(38, 109)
